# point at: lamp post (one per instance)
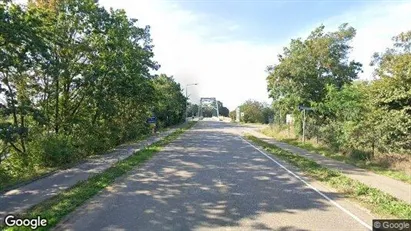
(192, 84)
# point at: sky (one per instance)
(226, 45)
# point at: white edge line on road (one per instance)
(312, 187)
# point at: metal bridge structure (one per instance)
(207, 101)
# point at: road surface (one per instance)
(19, 199)
(212, 179)
(395, 188)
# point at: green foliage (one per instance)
(209, 109)
(344, 115)
(379, 202)
(357, 158)
(306, 67)
(223, 111)
(268, 114)
(255, 112)
(391, 94)
(355, 118)
(75, 81)
(192, 109)
(233, 115)
(57, 207)
(171, 103)
(56, 150)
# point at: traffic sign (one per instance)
(304, 108)
(152, 120)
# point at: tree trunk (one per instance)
(56, 115)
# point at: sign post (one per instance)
(152, 121)
(304, 109)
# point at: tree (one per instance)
(209, 110)
(223, 111)
(306, 67)
(22, 52)
(253, 112)
(345, 116)
(391, 94)
(268, 114)
(76, 80)
(171, 103)
(192, 109)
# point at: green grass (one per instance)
(57, 207)
(378, 202)
(25, 177)
(328, 152)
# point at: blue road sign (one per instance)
(304, 108)
(152, 120)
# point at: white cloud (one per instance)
(200, 48)
(194, 48)
(376, 25)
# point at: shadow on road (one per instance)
(203, 180)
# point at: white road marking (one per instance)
(312, 187)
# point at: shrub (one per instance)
(56, 150)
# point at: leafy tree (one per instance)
(253, 112)
(209, 110)
(171, 103)
(223, 111)
(268, 114)
(344, 117)
(192, 109)
(306, 67)
(22, 52)
(391, 94)
(76, 80)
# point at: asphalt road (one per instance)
(19, 199)
(211, 179)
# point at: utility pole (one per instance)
(192, 84)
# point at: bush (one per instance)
(331, 134)
(4, 175)
(56, 150)
(233, 115)
(360, 155)
(91, 144)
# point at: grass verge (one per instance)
(57, 207)
(377, 201)
(39, 172)
(328, 152)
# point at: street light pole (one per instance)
(192, 84)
